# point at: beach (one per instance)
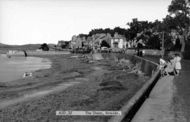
(72, 83)
(14, 67)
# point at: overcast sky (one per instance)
(39, 21)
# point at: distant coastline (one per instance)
(37, 53)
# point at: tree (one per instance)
(83, 35)
(44, 47)
(119, 30)
(136, 27)
(179, 7)
(180, 17)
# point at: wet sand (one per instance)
(99, 85)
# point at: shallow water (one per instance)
(13, 68)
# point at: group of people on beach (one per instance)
(171, 66)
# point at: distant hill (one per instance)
(4, 45)
(1, 44)
(22, 47)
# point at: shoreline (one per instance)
(36, 53)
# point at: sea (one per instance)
(13, 68)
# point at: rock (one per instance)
(97, 56)
(124, 61)
(75, 56)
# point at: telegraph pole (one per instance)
(163, 50)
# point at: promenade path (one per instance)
(169, 100)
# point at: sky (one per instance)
(47, 21)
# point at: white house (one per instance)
(118, 41)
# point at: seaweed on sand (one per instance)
(112, 85)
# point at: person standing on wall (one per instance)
(139, 47)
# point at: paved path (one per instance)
(169, 100)
(157, 108)
(181, 100)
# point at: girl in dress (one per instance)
(177, 63)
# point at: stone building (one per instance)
(63, 44)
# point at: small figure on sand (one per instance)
(25, 54)
(27, 74)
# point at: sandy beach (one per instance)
(72, 83)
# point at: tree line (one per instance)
(175, 26)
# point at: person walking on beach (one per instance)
(25, 54)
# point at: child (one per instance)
(162, 63)
(162, 66)
(177, 63)
(170, 66)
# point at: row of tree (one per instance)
(178, 19)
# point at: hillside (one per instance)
(4, 48)
(21, 47)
